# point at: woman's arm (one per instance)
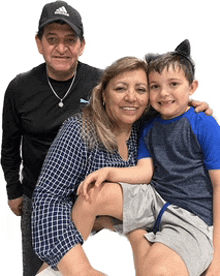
(54, 233)
(214, 269)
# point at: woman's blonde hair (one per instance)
(97, 126)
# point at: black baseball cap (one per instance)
(60, 10)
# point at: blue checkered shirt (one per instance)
(68, 162)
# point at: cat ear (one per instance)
(151, 57)
(184, 48)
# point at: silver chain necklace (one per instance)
(61, 104)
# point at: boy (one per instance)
(180, 209)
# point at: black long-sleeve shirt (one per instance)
(32, 118)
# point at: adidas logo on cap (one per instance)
(62, 10)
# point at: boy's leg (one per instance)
(106, 200)
(140, 248)
(161, 260)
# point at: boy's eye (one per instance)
(154, 86)
(174, 84)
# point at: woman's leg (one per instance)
(43, 267)
(106, 200)
(75, 263)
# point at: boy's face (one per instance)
(170, 91)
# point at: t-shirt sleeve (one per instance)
(143, 151)
(209, 139)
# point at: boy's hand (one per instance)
(96, 178)
(201, 107)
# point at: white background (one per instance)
(113, 29)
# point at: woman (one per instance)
(104, 135)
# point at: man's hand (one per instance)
(16, 205)
(201, 107)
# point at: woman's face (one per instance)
(126, 97)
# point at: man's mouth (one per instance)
(64, 58)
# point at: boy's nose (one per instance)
(164, 92)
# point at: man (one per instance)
(36, 104)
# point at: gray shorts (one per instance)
(185, 233)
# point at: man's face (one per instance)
(61, 49)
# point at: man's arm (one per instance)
(10, 150)
(201, 107)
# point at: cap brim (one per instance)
(50, 21)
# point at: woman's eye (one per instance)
(142, 90)
(120, 88)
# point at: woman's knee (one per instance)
(103, 200)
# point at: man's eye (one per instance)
(52, 40)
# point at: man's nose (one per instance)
(61, 47)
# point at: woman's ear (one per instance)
(103, 98)
(193, 86)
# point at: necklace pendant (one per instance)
(60, 104)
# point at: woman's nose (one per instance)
(130, 95)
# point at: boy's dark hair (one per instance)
(180, 58)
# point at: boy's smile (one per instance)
(170, 91)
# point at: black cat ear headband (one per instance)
(183, 49)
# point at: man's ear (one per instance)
(193, 86)
(39, 44)
(83, 43)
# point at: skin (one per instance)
(169, 95)
(61, 49)
(126, 98)
(170, 92)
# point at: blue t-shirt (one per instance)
(183, 149)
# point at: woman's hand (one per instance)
(96, 178)
(201, 107)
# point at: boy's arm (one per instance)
(141, 173)
(214, 268)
